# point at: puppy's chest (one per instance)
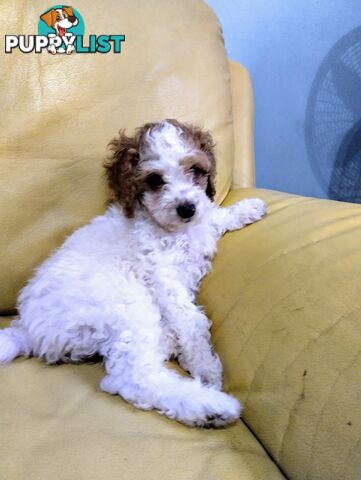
(186, 256)
(191, 252)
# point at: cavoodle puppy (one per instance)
(124, 285)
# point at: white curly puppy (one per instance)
(124, 285)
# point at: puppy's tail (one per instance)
(13, 342)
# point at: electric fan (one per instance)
(333, 120)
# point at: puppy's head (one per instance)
(60, 19)
(168, 169)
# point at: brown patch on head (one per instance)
(199, 166)
(199, 160)
(201, 139)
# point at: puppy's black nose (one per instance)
(187, 210)
(72, 19)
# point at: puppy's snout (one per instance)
(187, 210)
(72, 19)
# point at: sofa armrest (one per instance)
(284, 295)
(242, 107)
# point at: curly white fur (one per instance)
(125, 288)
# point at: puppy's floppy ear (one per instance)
(207, 144)
(47, 17)
(122, 170)
(69, 11)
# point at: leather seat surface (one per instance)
(285, 298)
(56, 423)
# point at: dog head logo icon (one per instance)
(63, 22)
(60, 19)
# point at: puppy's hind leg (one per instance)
(136, 371)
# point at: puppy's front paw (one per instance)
(253, 209)
(70, 49)
(52, 49)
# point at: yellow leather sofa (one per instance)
(284, 294)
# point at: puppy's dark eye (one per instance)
(154, 181)
(198, 170)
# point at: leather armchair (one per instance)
(283, 295)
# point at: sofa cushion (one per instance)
(56, 423)
(58, 112)
(284, 295)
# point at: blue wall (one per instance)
(306, 69)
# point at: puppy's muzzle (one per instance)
(187, 210)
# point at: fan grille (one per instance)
(333, 120)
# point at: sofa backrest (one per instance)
(60, 111)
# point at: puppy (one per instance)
(60, 19)
(124, 285)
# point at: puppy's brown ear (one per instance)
(69, 11)
(207, 144)
(122, 171)
(48, 17)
